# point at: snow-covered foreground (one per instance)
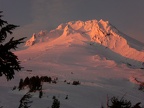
(98, 77)
(100, 71)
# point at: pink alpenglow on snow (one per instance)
(103, 60)
(100, 33)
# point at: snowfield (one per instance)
(105, 62)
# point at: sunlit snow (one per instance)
(104, 60)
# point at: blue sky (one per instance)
(36, 15)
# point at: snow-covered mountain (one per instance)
(104, 60)
(105, 40)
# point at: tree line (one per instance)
(34, 83)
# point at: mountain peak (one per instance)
(31, 41)
(36, 37)
(99, 32)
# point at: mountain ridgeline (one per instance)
(100, 35)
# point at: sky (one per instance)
(36, 15)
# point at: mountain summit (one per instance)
(94, 33)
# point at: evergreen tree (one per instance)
(119, 103)
(24, 102)
(38, 83)
(9, 62)
(40, 94)
(20, 84)
(26, 81)
(56, 103)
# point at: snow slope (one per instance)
(95, 32)
(92, 52)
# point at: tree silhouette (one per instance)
(122, 103)
(40, 94)
(20, 84)
(25, 101)
(56, 103)
(9, 62)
